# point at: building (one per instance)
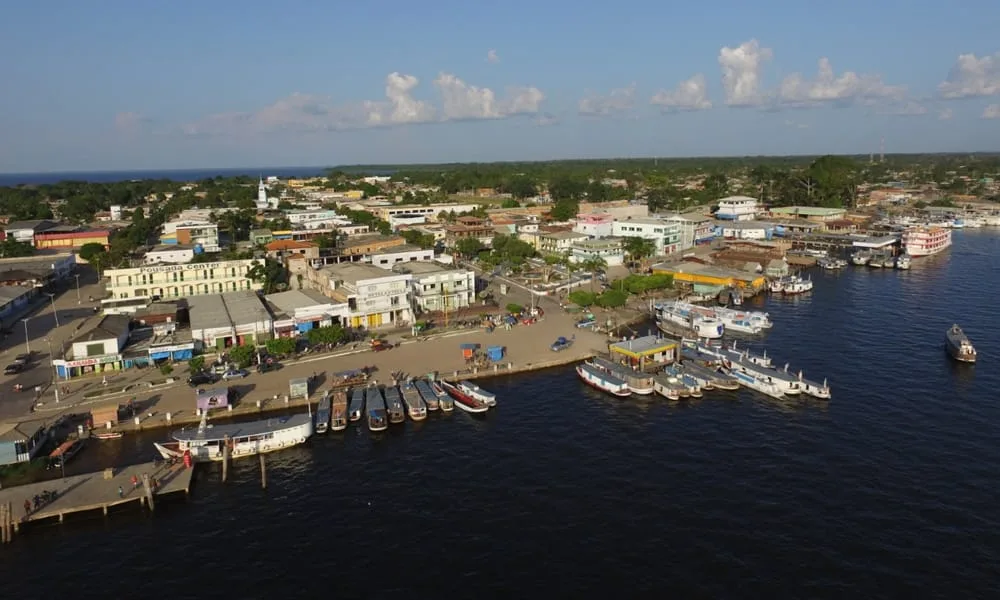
(169, 254)
(233, 319)
(71, 240)
(737, 208)
(643, 351)
(36, 271)
(22, 441)
(610, 250)
(709, 276)
(694, 229)
(191, 233)
(666, 235)
(558, 242)
(25, 231)
(369, 244)
(431, 210)
(406, 253)
(594, 224)
(455, 233)
(618, 209)
(811, 213)
(435, 287)
(375, 297)
(298, 311)
(15, 298)
(97, 350)
(406, 220)
(748, 230)
(281, 249)
(175, 281)
(263, 202)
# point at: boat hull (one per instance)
(174, 450)
(598, 385)
(463, 401)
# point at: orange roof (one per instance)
(289, 245)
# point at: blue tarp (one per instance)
(159, 355)
(304, 327)
(183, 354)
(495, 353)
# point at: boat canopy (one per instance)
(217, 433)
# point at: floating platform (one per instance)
(96, 491)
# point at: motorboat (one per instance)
(415, 406)
(464, 401)
(376, 411)
(473, 390)
(206, 443)
(338, 411)
(323, 413)
(958, 345)
(602, 380)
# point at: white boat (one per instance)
(463, 400)
(733, 352)
(602, 380)
(816, 390)
(206, 443)
(444, 398)
(431, 397)
(473, 390)
(903, 262)
(680, 314)
(861, 257)
(785, 382)
(763, 386)
(745, 321)
(668, 387)
(637, 381)
(925, 241)
(831, 264)
(415, 406)
(797, 286)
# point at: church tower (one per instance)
(261, 194)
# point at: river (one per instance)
(887, 491)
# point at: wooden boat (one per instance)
(349, 378)
(323, 413)
(375, 405)
(463, 400)
(338, 411)
(394, 405)
(958, 345)
(205, 443)
(357, 406)
(478, 393)
(668, 387)
(415, 406)
(429, 396)
(638, 382)
(446, 401)
(106, 435)
(602, 380)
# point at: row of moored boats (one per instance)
(877, 260)
(681, 318)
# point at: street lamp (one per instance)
(27, 346)
(52, 297)
(77, 288)
(55, 373)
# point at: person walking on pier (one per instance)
(27, 507)
(135, 482)
(121, 492)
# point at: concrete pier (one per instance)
(96, 491)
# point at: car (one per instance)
(238, 374)
(23, 358)
(561, 344)
(201, 379)
(13, 368)
(584, 323)
(379, 346)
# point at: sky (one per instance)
(140, 85)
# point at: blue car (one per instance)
(561, 344)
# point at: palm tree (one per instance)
(594, 265)
(638, 249)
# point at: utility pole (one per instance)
(77, 288)
(27, 346)
(55, 372)
(52, 298)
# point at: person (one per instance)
(27, 507)
(135, 482)
(121, 492)
(104, 380)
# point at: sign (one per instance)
(175, 348)
(89, 362)
(192, 266)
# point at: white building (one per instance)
(386, 259)
(747, 230)
(263, 202)
(298, 311)
(665, 235)
(594, 224)
(233, 319)
(191, 232)
(168, 254)
(431, 212)
(435, 287)
(406, 220)
(694, 229)
(315, 219)
(375, 297)
(116, 212)
(737, 208)
(176, 281)
(610, 250)
(557, 242)
(96, 350)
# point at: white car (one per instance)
(240, 374)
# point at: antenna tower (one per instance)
(881, 150)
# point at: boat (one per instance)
(683, 314)
(732, 351)
(877, 261)
(925, 241)
(711, 378)
(637, 381)
(65, 453)
(691, 384)
(478, 393)
(375, 405)
(205, 443)
(463, 400)
(754, 383)
(430, 397)
(669, 387)
(415, 406)
(602, 380)
(357, 406)
(446, 401)
(816, 390)
(861, 257)
(106, 435)
(394, 405)
(338, 411)
(903, 262)
(785, 382)
(959, 346)
(323, 413)
(797, 286)
(829, 263)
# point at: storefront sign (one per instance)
(191, 267)
(89, 362)
(176, 348)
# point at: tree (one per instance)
(521, 187)
(582, 298)
(334, 334)
(594, 265)
(10, 248)
(612, 299)
(716, 185)
(510, 203)
(564, 210)
(280, 346)
(567, 187)
(638, 249)
(196, 364)
(89, 252)
(242, 355)
(469, 247)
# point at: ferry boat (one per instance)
(691, 384)
(323, 413)
(711, 378)
(761, 359)
(463, 400)
(861, 257)
(816, 390)
(393, 405)
(831, 264)
(415, 406)
(429, 397)
(669, 387)
(338, 411)
(637, 381)
(375, 403)
(205, 442)
(679, 314)
(797, 286)
(357, 407)
(959, 346)
(602, 380)
(903, 262)
(925, 241)
(763, 386)
(786, 383)
(473, 390)
(446, 401)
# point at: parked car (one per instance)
(13, 368)
(24, 358)
(238, 374)
(584, 323)
(561, 344)
(201, 379)
(379, 345)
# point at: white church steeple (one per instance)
(261, 195)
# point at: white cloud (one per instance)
(691, 94)
(492, 57)
(945, 113)
(992, 112)
(848, 87)
(971, 76)
(462, 101)
(741, 68)
(618, 101)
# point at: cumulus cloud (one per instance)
(691, 94)
(971, 76)
(618, 101)
(992, 112)
(741, 72)
(462, 101)
(492, 57)
(945, 113)
(848, 87)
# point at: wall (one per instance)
(389, 259)
(180, 255)
(107, 346)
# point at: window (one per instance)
(95, 349)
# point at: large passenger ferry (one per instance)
(925, 241)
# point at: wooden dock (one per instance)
(95, 491)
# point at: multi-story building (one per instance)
(694, 229)
(811, 213)
(609, 249)
(737, 208)
(431, 211)
(557, 242)
(666, 235)
(192, 233)
(435, 287)
(71, 240)
(281, 249)
(594, 224)
(175, 281)
(375, 297)
(454, 233)
(406, 253)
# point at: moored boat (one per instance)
(797, 286)
(785, 382)
(958, 345)
(669, 387)
(925, 241)
(749, 380)
(637, 381)
(464, 401)
(375, 408)
(338, 411)
(446, 401)
(602, 380)
(903, 262)
(471, 389)
(206, 443)
(711, 378)
(427, 393)
(394, 405)
(106, 435)
(323, 413)
(686, 316)
(816, 390)
(861, 257)
(357, 407)
(415, 406)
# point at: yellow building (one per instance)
(706, 275)
(354, 194)
(70, 240)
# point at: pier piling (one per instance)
(3, 524)
(225, 458)
(148, 489)
(263, 472)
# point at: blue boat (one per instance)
(323, 414)
(375, 404)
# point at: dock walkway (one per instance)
(95, 491)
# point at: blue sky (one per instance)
(121, 85)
